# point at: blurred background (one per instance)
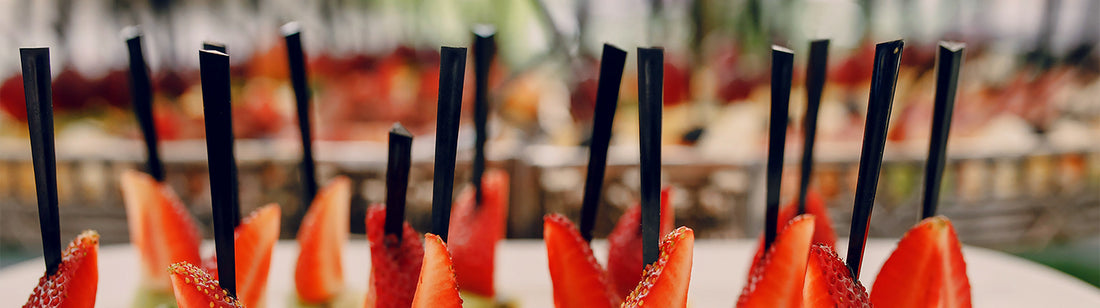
(1023, 172)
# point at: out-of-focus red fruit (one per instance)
(73, 91)
(11, 98)
(856, 68)
(677, 81)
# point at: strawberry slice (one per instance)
(665, 282)
(395, 266)
(161, 229)
(195, 288)
(926, 270)
(254, 239)
(74, 283)
(777, 279)
(437, 286)
(624, 255)
(319, 275)
(475, 230)
(578, 280)
(823, 227)
(829, 283)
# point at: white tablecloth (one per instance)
(997, 279)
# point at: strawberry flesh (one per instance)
(665, 282)
(624, 255)
(254, 239)
(437, 286)
(829, 283)
(395, 265)
(926, 270)
(161, 229)
(776, 280)
(475, 231)
(195, 288)
(318, 275)
(823, 227)
(578, 280)
(74, 284)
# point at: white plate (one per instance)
(719, 271)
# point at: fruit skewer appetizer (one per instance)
(72, 276)
(667, 264)
(245, 251)
(826, 281)
(808, 200)
(480, 211)
(437, 285)
(927, 269)
(161, 229)
(396, 250)
(578, 279)
(318, 273)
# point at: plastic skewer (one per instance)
(484, 50)
(141, 95)
(452, 69)
(949, 60)
(815, 84)
(299, 81)
(782, 69)
(37, 88)
(216, 103)
(650, 101)
(215, 46)
(884, 78)
(607, 100)
(235, 212)
(397, 178)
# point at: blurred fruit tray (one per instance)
(1009, 202)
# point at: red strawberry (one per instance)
(319, 275)
(579, 281)
(665, 282)
(195, 288)
(395, 266)
(926, 270)
(475, 231)
(823, 227)
(161, 229)
(437, 286)
(829, 283)
(624, 255)
(776, 280)
(254, 239)
(74, 283)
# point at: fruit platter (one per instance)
(719, 267)
(326, 249)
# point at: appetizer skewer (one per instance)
(72, 276)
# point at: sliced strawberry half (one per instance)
(437, 286)
(395, 265)
(195, 288)
(777, 279)
(475, 231)
(823, 227)
(926, 270)
(319, 275)
(74, 284)
(829, 283)
(624, 255)
(665, 282)
(578, 280)
(161, 229)
(254, 239)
